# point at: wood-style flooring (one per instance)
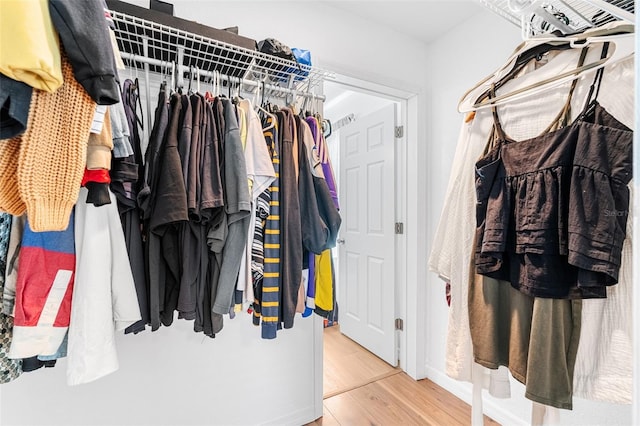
(361, 389)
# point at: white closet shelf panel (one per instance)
(569, 16)
(142, 38)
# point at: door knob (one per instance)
(340, 241)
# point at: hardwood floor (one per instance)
(347, 365)
(361, 389)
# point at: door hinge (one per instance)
(399, 324)
(399, 228)
(399, 131)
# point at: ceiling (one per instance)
(423, 20)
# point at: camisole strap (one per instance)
(497, 126)
(564, 116)
(594, 90)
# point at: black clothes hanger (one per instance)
(622, 37)
(326, 127)
(522, 60)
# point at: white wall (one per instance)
(178, 377)
(459, 59)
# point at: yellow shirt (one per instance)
(29, 46)
(324, 281)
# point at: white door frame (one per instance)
(411, 339)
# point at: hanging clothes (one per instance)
(189, 233)
(260, 174)
(452, 236)
(321, 268)
(598, 160)
(237, 211)
(96, 176)
(127, 177)
(212, 243)
(257, 250)
(15, 99)
(562, 201)
(83, 31)
(164, 203)
(43, 291)
(216, 234)
(269, 308)
(56, 136)
(290, 232)
(104, 294)
(33, 56)
(10, 369)
(11, 271)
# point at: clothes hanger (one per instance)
(255, 96)
(197, 78)
(613, 28)
(237, 81)
(624, 49)
(173, 76)
(521, 62)
(209, 95)
(260, 108)
(163, 76)
(326, 126)
(132, 67)
(189, 91)
(304, 112)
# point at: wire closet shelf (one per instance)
(145, 42)
(537, 17)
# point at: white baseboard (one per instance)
(463, 391)
(296, 418)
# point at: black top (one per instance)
(552, 209)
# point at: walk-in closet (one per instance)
(319, 212)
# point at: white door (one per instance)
(366, 250)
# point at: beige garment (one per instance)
(100, 146)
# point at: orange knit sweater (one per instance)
(41, 170)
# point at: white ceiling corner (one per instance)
(423, 20)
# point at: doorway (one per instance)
(361, 343)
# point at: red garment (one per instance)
(99, 175)
(46, 270)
